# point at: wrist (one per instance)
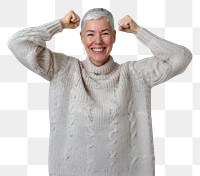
(62, 23)
(137, 29)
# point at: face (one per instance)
(98, 37)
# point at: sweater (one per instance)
(100, 117)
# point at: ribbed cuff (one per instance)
(147, 38)
(53, 27)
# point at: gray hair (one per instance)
(98, 13)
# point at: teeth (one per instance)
(98, 49)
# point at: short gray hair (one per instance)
(98, 13)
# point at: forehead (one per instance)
(97, 24)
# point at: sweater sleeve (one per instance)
(29, 47)
(168, 61)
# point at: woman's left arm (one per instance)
(168, 61)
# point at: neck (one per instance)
(99, 64)
(103, 69)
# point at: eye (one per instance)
(90, 34)
(105, 33)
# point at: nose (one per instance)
(98, 39)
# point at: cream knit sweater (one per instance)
(100, 117)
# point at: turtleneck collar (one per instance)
(106, 68)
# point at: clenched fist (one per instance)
(71, 20)
(127, 24)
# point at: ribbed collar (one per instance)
(108, 67)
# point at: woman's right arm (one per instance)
(29, 47)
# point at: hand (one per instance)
(127, 24)
(71, 20)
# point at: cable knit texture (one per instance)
(100, 117)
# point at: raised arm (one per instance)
(169, 58)
(29, 46)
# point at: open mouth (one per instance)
(98, 49)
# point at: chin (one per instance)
(99, 61)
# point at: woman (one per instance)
(100, 116)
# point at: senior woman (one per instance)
(100, 116)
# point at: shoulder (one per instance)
(64, 59)
(64, 63)
(129, 66)
(131, 69)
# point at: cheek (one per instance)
(109, 42)
(87, 43)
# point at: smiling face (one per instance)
(98, 38)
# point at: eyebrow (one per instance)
(94, 31)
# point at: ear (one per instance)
(81, 35)
(114, 35)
